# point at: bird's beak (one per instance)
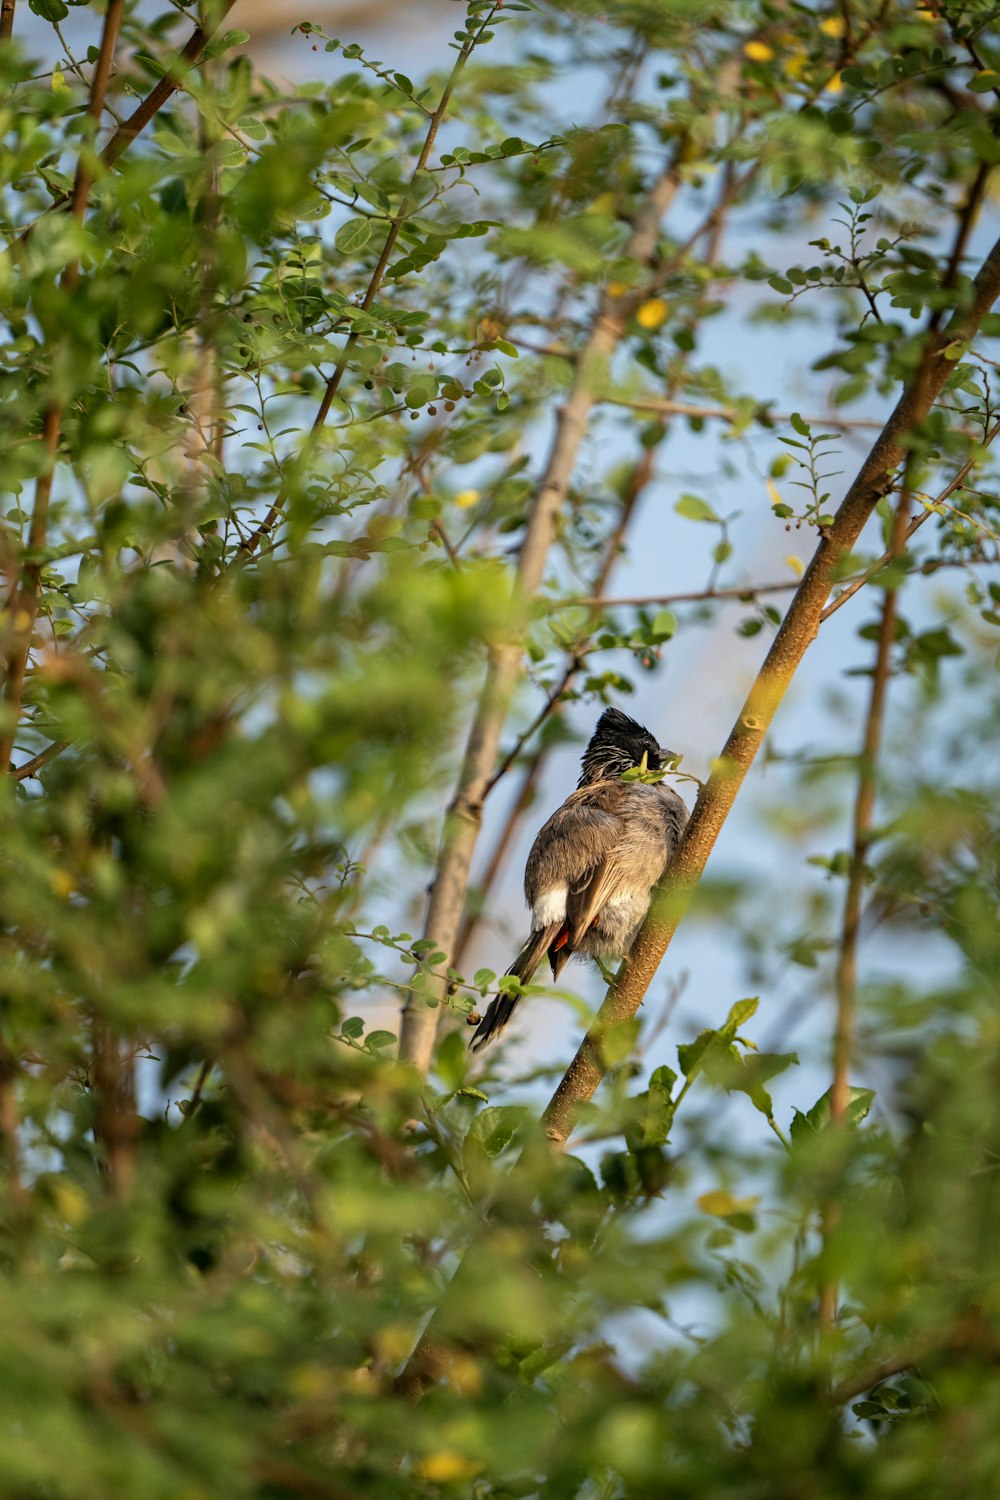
(669, 758)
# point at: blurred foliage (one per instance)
(228, 1213)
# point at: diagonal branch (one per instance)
(168, 85)
(795, 635)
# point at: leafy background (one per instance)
(281, 424)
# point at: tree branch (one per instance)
(6, 19)
(796, 633)
(664, 406)
(168, 85)
(864, 808)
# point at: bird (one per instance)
(590, 874)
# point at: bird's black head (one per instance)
(619, 743)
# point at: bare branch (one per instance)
(7, 19)
(34, 765)
(662, 406)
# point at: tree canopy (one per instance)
(329, 410)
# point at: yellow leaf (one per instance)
(653, 314)
(617, 288)
(795, 563)
(70, 1201)
(447, 1465)
(59, 84)
(466, 499)
(721, 1204)
(464, 1375)
(797, 65)
(833, 26)
(758, 51)
(835, 84)
(774, 494)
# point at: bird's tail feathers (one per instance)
(502, 1007)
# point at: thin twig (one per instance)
(744, 591)
(34, 765)
(914, 526)
(659, 405)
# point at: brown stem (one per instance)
(253, 541)
(168, 85)
(35, 764)
(794, 636)
(664, 406)
(24, 607)
(6, 19)
(98, 92)
(746, 591)
(447, 900)
(847, 956)
(9, 1122)
(112, 1077)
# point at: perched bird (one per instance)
(591, 871)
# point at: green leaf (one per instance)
(859, 1103)
(693, 508)
(353, 235)
(799, 424)
(740, 1012)
(663, 625)
(495, 1128)
(49, 10)
(353, 1027)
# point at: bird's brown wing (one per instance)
(585, 899)
(576, 840)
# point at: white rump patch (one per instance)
(550, 907)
